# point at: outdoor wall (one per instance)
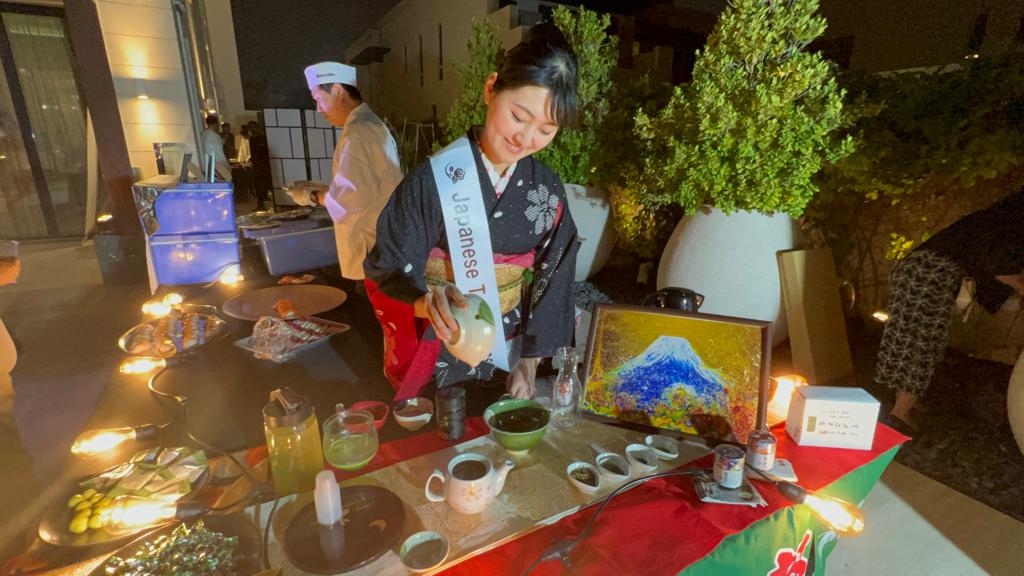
(394, 87)
(140, 40)
(226, 74)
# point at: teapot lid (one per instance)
(286, 408)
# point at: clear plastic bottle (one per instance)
(565, 392)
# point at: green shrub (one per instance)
(757, 123)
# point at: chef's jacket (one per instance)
(214, 144)
(366, 172)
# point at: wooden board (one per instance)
(817, 331)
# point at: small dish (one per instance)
(582, 469)
(424, 551)
(378, 409)
(611, 464)
(642, 458)
(414, 413)
(666, 448)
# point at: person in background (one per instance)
(365, 168)
(529, 98)
(230, 148)
(242, 169)
(986, 246)
(262, 184)
(213, 144)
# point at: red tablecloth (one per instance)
(656, 528)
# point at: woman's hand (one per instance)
(520, 382)
(436, 306)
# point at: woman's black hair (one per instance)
(545, 59)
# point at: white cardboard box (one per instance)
(833, 417)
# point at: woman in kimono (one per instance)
(529, 98)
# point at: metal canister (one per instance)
(761, 450)
(729, 466)
(450, 408)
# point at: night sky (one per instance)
(271, 63)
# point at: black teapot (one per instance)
(675, 299)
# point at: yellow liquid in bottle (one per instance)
(295, 456)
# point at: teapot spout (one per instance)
(501, 474)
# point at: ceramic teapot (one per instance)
(469, 484)
(674, 298)
(474, 340)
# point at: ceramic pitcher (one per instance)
(469, 484)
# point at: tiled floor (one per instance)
(65, 323)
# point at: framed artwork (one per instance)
(692, 373)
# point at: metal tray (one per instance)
(215, 328)
(333, 328)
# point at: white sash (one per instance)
(469, 234)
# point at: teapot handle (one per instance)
(430, 494)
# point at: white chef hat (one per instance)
(330, 73)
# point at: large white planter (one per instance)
(1015, 401)
(592, 213)
(731, 260)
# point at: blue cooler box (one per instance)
(195, 208)
(193, 258)
(299, 251)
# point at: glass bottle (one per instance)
(293, 441)
(565, 392)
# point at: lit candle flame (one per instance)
(880, 315)
(134, 512)
(156, 308)
(778, 406)
(103, 218)
(841, 516)
(93, 443)
(142, 365)
(173, 299)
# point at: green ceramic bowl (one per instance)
(516, 441)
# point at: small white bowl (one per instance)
(610, 458)
(642, 458)
(432, 558)
(582, 486)
(666, 448)
(423, 408)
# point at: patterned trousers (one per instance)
(922, 290)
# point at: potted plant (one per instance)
(574, 152)
(738, 150)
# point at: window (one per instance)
(440, 53)
(421, 60)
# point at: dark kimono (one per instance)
(530, 216)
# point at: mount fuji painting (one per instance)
(679, 372)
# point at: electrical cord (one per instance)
(560, 550)
(181, 402)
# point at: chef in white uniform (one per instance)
(366, 167)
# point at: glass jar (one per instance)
(293, 441)
(565, 392)
(350, 439)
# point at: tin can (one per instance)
(761, 450)
(728, 466)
